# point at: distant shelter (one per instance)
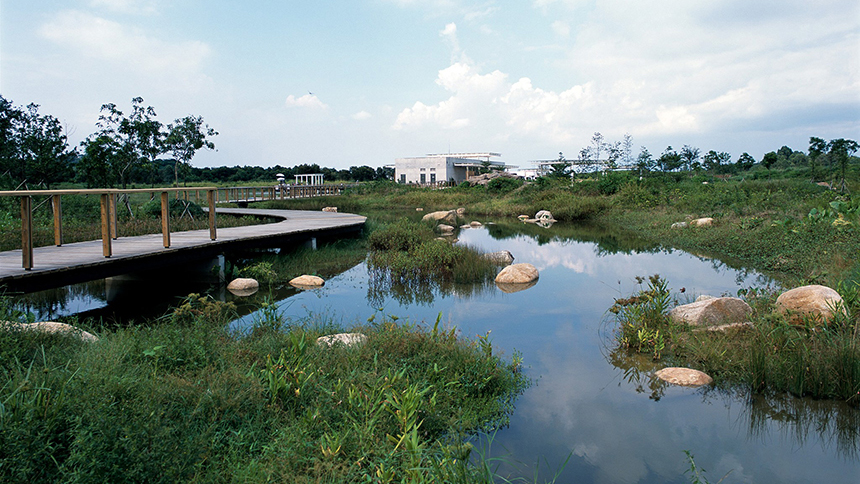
(441, 168)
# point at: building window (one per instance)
(403, 179)
(423, 178)
(423, 169)
(432, 177)
(432, 169)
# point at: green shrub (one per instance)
(503, 184)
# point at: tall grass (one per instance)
(184, 399)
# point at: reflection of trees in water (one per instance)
(417, 290)
(834, 423)
(51, 303)
(607, 240)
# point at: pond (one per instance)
(594, 414)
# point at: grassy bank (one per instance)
(186, 399)
(773, 355)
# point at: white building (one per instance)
(451, 167)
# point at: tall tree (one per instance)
(690, 156)
(44, 152)
(769, 159)
(627, 150)
(669, 160)
(644, 162)
(745, 162)
(560, 168)
(840, 150)
(714, 161)
(139, 136)
(185, 137)
(817, 147)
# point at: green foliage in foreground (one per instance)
(812, 359)
(185, 399)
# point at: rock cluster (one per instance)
(485, 178)
(543, 218)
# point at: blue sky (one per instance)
(344, 83)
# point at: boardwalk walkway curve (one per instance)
(76, 262)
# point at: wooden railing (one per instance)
(277, 192)
(108, 198)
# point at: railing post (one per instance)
(165, 219)
(113, 231)
(58, 219)
(27, 232)
(105, 213)
(210, 196)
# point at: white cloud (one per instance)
(361, 116)
(306, 101)
(145, 7)
(561, 28)
(96, 37)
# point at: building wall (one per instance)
(433, 168)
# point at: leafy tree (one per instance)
(840, 150)
(714, 161)
(817, 147)
(561, 168)
(613, 154)
(185, 137)
(689, 156)
(644, 162)
(97, 166)
(362, 173)
(769, 159)
(33, 147)
(385, 173)
(670, 160)
(138, 137)
(745, 162)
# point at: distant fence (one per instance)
(108, 198)
(277, 192)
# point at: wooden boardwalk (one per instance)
(76, 262)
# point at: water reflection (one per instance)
(601, 409)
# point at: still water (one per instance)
(594, 408)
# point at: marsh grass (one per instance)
(184, 399)
(815, 359)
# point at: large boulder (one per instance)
(684, 376)
(307, 282)
(51, 327)
(346, 339)
(447, 216)
(243, 286)
(713, 311)
(517, 274)
(813, 302)
(502, 257)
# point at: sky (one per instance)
(361, 82)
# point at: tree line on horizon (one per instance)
(137, 148)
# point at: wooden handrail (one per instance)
(107, 204)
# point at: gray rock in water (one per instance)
(243, 286)
(684, 376)
(517, 274)
(447, 216)
(502, 257)
(307, 282)
(709, 312)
